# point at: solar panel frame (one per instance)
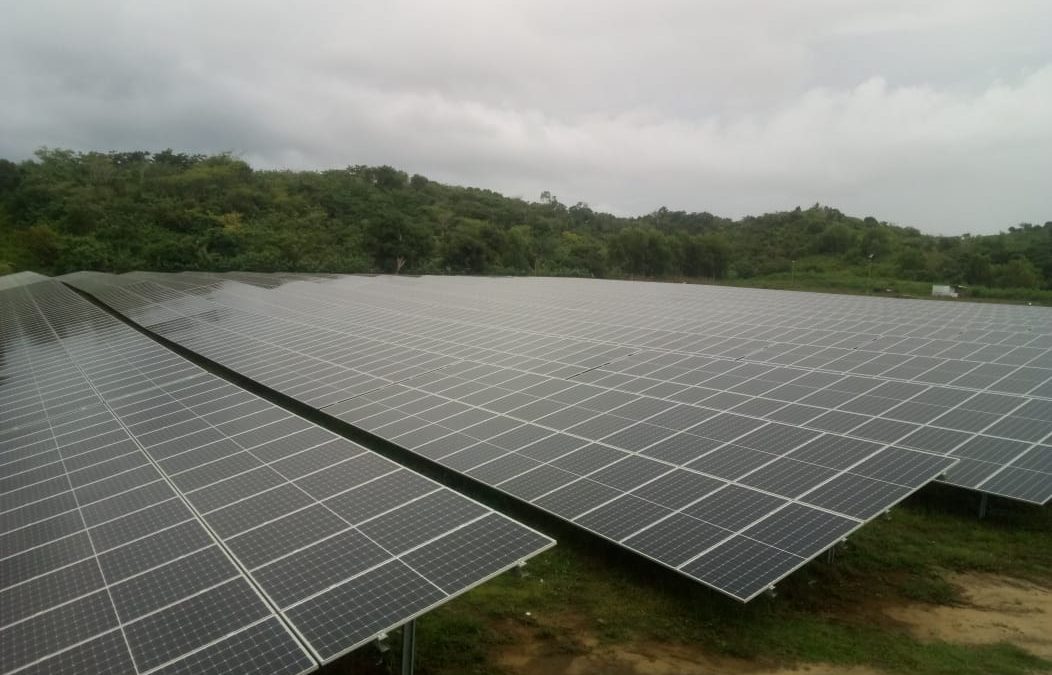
(161, 424)
(76, 614)
(431, 382)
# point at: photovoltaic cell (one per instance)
(137, 488)
(75, 596)
(817, 401)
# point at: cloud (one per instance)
(932, 115)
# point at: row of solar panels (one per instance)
(707, 323)
(733, 312)
(753, 321)
(156, 518)
(667, 464)
(731, 471)
(1000, 438)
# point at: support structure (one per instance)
(408, 647)
(984, 502)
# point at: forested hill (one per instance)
(120, 211)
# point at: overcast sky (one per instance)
(935, 114)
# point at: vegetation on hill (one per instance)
(120, 211)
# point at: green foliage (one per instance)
(641, 251)
(837, 239)
(119, 211)
(1017, 273)
(911, 264)
(396, 241)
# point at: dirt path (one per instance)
(996, 609)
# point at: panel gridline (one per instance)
(81, 507)
(621, 506)
(1002, 437)
(261, 478)
(636, 466)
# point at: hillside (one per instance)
(118, 211)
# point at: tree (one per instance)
(43, 244)
(171, 210)
(9, 176)
(579, 254)
(1017, 273)
(702, 255)
(876, 242)
(641, 251)
(465, 248)
(581, 215)
(394, 241)
(975, 268)
(388, 178)
(836, 239)
(518, 254)
(911, 264)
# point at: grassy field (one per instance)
(827, 612)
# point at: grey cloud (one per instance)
(926, 114)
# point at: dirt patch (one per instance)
(817, 669)
(663, 660)
(995, 609)
(566, 647)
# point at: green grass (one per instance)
(938, 530)
(823, 613)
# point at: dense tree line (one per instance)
(119, 211)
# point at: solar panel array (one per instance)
(105, 568)
(976, 378)
(683, 458)
(20, 279)
(156, 518)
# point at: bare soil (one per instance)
(648, 659)
(564, 646)
(994, 609)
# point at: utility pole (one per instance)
(869, 275)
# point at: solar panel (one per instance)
(20, 279)
(895, 358)
(104, 566)
(733, 471)
(154, 516)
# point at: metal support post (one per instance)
(408, 647)
(984, 502)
